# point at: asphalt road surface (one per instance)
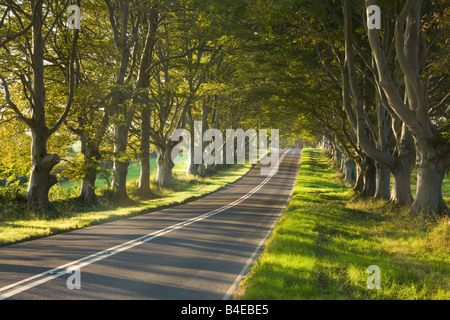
(196, 251)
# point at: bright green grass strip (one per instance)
(325, 241)
(134, 171)
(72, 215)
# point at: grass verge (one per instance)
(19, 223)
(325, 241)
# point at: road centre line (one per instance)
(251, 260)
(36, 280)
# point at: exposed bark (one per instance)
(169, 109)
(192, 167)
(359, 181)
(201, 171)
(209, 109)
(90, 149)
(432, 164)
(348, 168)
(144, 178)
(42, 164)
(399, 163)
(432, 151)
(401, 184)
(120, 166)
(143, 82)
(368, 173)
(356, 114)
(383, 189)
(383, 183)
(91, 155)
(41, 179)
(197, 168)
(404, 154)
(165, 166)
(87, 192)
(336, 154)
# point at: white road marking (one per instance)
(251, 260)
(57, 272)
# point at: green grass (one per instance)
(19, 223)
(134, 171)
(326, 240)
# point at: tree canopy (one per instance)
(77, 101)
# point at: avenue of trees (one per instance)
(378, 98)
(120, 85)
(137, 70)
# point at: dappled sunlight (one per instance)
(326, 240)
(69, 214)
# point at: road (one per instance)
(196, 251)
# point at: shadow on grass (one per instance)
(327, 238)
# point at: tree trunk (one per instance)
(120, 168)
(432, 151)
(369, 177)
(143, 82)
(348, 168)
(359, 181)
(42, 164)
(144, 179)
(383, 183)
(204, 127)
(119, 181)
(87, 192)
(91, 156)
(192, 168)
(384, 121)
(165, 166)
(201, 170)
(210, 169)
(196, 137)
(401, 184)
(404, 154)
(336, 154)
(432, 163)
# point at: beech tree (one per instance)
(141, 87)
(89, 121)
(124, 26)
(25, 50)
(143, 68)
(383, 142)
(377, 148)
(432, 149)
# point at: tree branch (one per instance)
(438, 105)
(13, 106)
(71, 83)
(9, 38)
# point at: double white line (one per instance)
(34, 281)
